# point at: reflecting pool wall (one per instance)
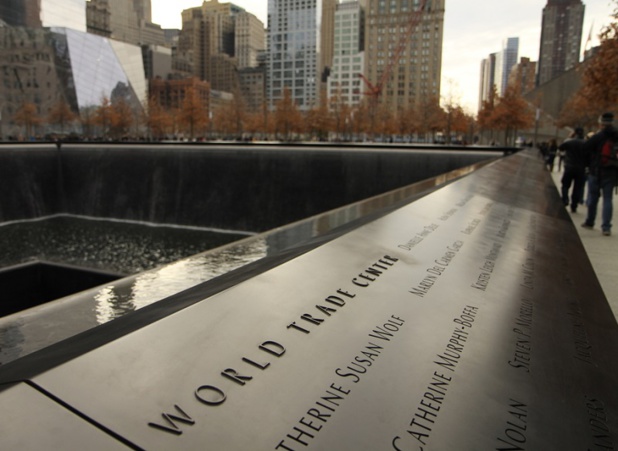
(235, 187)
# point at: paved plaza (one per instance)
(602, 250)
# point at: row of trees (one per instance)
(114, 119)
(331, 119)
(426, 121)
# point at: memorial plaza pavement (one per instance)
(602, 250)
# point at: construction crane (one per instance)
(374, 91)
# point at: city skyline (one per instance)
(464, 45)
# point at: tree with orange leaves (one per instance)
(87, 119)
(600, 78)
(432, 117)
(459, 121)
(340, 112)
(486, 113)
(288, 118)
(599, 85)
(254, 122)
(452, 110)
(121, 118)
(361, 120)
(103, 115)
(193, 113)
(61, 115)
(157, 119)
(318, 119)
(579, 110)
(27, 116)
(512, 113)
(230, 118)
(385, 124)
(407, 120)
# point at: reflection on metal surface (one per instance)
(150, 286)
(109, 306)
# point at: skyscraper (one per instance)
(561, 36)
(348, 60)
(128, 21)
(295, 48)
(414, 77)
(208, 36)
(218, 39)
(44, 13)
(505, 60)
(249, 38)
(523, 75)
(488, 74)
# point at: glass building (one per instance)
(505, 60)
(50, 66)
(44, 13)
(294, 50)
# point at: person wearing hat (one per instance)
(574, 168)
(601, 179)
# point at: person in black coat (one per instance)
(601, 179)
(552, 150)
(574, 169)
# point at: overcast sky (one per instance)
(472, 30)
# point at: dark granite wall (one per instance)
(29, 183)
(233, 187)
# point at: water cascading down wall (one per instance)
(229, 187)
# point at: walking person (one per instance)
(561, 157)
(552, 150)
(543, 151)
(574, 169)
(602, 173)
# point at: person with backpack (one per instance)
(601, 151)
(574, 168)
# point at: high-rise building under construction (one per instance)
(403, 50)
